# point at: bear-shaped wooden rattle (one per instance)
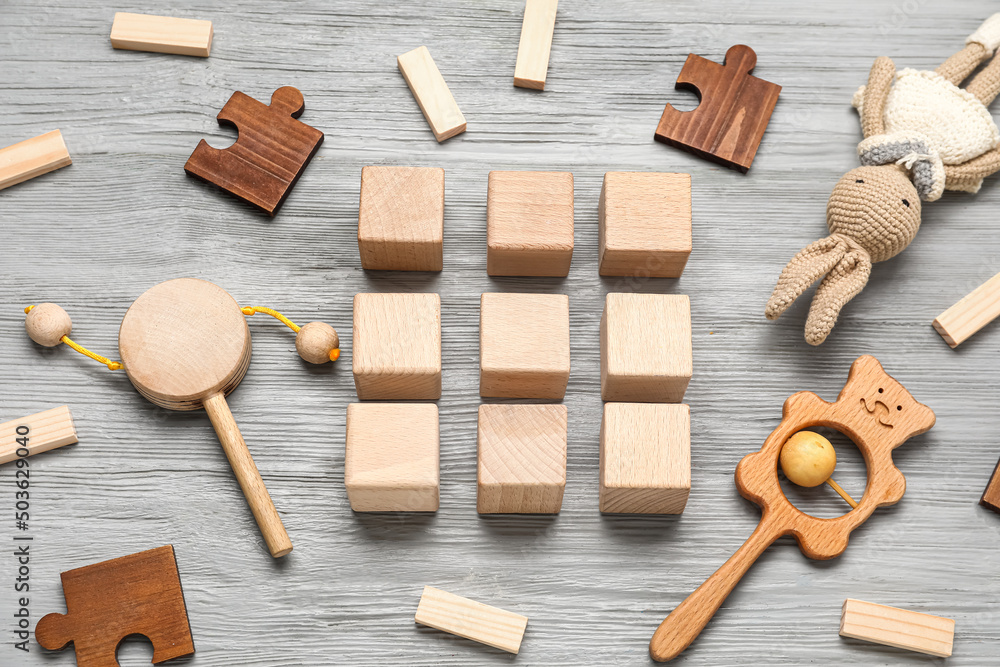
(873, 410)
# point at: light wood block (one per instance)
(645, 347)
(644, 224)
(900, 628)
(161, 34)
(391, 463)
(536, 43)
(397, 346)
(522, 459)
(529, 223)
(470, 619)
(432, 93)
(33, 157)
(45, 430)
(523, 345)
(972, 313)
(645, 458)
(401, 218)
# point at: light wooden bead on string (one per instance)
(185, 345)
(808, 459)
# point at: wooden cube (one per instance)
(522, 459)
(391, 463)
(401, 218)
(529, 223)
(523, 345)
(645, 458)
(645, 347)
(397, 346)
(644, 224)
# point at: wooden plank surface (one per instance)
(95, 236)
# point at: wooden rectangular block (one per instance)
(432, 93)
(161, 34)
(900, 628)
(972, 313)
(991, 496)
(470, 619)
(37, 433)
(529, 223)
(33, 157)
(524, 345)
(401, 218)
(391, 462)
(645, 347)
(536, 43)
(645, 458)
(644, 224)
(397, 346)
(522, 459)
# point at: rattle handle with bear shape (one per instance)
(271, 527)
(690, 617)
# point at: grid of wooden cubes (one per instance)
(644, 224)
(645, 458)
(523, 345)
(391, 462)
(645, 347)
(401, 218)
(529, 226)
(397, 346)
(522, 459)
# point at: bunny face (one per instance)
(876, 206)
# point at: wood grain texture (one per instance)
(529, 223)
(161, 34)
(899, 628)
(645, 347)
(991, 495)
(46, 430)
(536, 42)
(401, 218)
(106, 602)
(470, 619)
(973, 312)
(431, 93)
(33, 157)
(124, 217)
(524, 345)
(391, 460)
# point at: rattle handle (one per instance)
(248, 476)
(691, 616)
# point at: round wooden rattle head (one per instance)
(183, 341)
(808, 459)
(47, 323)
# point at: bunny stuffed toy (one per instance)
(923, 134)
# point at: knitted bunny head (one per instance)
(878, 207)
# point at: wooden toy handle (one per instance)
(690, 617)
(248, 476)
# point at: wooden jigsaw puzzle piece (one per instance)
(270, 153)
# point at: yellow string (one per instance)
(112, 365)
(250, 310)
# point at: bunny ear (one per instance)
(805, 268)
(842, 284)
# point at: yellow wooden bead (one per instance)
(47, 323)
(808, 459)
(315, 341)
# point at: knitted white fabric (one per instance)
(988, 34)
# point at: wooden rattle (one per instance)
(808, 459)
(878, 414)
(185, 345)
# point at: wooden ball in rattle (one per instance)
(808, 459)
(317, 343)
(47, 323)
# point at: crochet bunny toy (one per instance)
(922, 135)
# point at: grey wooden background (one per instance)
(94, 236)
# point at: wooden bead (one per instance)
(315, 341)
(808, 459)
(47, 323)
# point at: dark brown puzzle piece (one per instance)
(991, 496)
(106, 602)
(735, 108)
(271, 152)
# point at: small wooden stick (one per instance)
(972, 313)
(536, 43)
(470, 619)
(843, 494)
(432, 93)
(33, 157)
(161, 34)
(40, 432)
(900, 628)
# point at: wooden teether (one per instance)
(878, 414)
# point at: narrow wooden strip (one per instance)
(33, 157)
(536, 43)
(432, 93)
(472, 620)
(161, 34)
(900, 628)
(991, 496)
(45, 430)
(977, 309)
